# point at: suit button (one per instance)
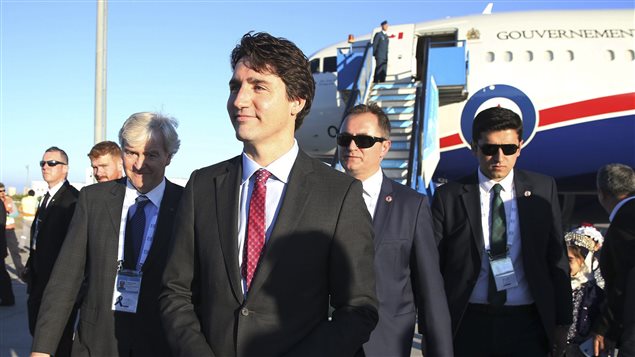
(244, 311)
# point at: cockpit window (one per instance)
(330, 64)
(315, 65)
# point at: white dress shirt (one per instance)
(280, 170)
(372, 187)
(520, 294)
(52, 192)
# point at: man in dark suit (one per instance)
(47, 236)
(616, 193)
(117, 242)
(409, 283)
(380, 51)
(502, 251)
(627, 342)
(264, 241)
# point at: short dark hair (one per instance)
(373, 108)
(62, 152)
(31, 193)
(617, 180)
(279, 56)
(496, 119)
(104, 148)
(1, 185)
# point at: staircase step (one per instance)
(393, 97)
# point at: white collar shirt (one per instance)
(372, 188)
(151, 210)
(52, 192)
(520, 294)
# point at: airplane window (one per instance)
(610, 55)
(315, 65)
(508, 56)
(489, 57)
(570, 55)
(630, 55)
(549, 55)
(529, 56)
(330, 64)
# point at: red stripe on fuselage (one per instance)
(586, 108)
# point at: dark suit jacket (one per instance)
(380, 46)
(90, 250)
(457, 219)
(321, 246)
(617, 259)
(52, 231)
(627, 346)
(408, 276)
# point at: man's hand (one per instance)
(559, 340)
(598, 344)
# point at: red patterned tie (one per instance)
(255, 239)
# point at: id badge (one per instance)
(126, 293)
(504, 274)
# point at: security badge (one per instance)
(127, 287)
(503, 271)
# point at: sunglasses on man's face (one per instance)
(492, 149)
(361, 141)
(51, 163)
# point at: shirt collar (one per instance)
(279, 168)
(372, 185)
(155, 195)
(618, 206)
(486, 184)
(53, 190)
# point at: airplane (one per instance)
(569, 74)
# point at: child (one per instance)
(587, 295)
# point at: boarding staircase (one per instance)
(397, 99)
(410, 105)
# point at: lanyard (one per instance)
(147, 238)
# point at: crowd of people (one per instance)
(274, 253)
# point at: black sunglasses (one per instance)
(492, 149)
(51, 163)
(361, 141)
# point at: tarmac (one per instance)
(15, 339)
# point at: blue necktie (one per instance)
(134, 232)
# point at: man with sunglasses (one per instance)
(502, 251)
(409, 283)
(47, 235)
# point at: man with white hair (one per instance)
(118, 243)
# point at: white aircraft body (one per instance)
(569, 74)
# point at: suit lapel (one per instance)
(296, 197)
(521, 187)
(472, 204)
(384, 207)
(114, 203)
(227, 187)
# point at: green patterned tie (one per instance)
(498, 244)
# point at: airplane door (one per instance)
(400, 50)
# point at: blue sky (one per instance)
(168, 56)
